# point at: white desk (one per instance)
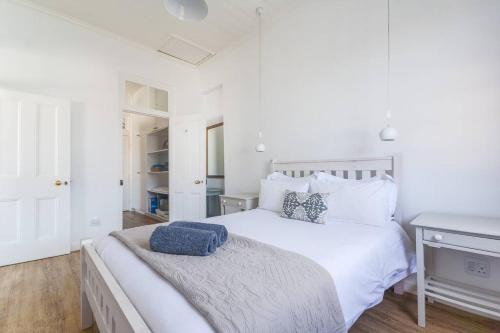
(463, 233)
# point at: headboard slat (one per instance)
(339, 173)
(366, 174)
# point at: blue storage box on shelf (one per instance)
(153, 205)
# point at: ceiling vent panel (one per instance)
(185, 50)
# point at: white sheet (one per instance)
(363, 260)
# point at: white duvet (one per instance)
(363, 260)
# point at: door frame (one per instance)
(170, 115)
(126, 177)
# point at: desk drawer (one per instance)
(232, 202)
(473, 242)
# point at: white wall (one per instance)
(324, 75)
(212, 105)
(43, 54)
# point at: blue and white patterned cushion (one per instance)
(310, 207)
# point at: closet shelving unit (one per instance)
(144, 98)
(157, 181)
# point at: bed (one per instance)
(122, 299)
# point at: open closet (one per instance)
(146, 165)
(156, 175)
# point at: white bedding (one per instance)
(363, 260)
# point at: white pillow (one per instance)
(393, 198)
(366, 202)
(328, 177)
(272, 193)
(281, 177)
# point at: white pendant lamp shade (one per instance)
(260, 147)
(388, 134)
(187, 10)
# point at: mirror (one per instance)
(215, 151)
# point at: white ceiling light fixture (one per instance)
(187, 10)
(388, 133)
(260, 147)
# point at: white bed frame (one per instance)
(103, 299)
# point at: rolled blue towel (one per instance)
(186, 241)
(219, 229)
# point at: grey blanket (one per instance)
(248, 286)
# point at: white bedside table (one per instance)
(242, 201)
(471, 234)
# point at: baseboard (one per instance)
(75, 246)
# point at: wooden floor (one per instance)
(398, 314)
(43, 296)
(133, 219)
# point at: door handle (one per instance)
(59, 182)
(198, 181)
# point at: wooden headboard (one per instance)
(351, 168)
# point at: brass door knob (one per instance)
(58, 183)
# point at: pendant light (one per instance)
(388, 133)
(187, 10)
(260, 147)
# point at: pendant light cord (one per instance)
(259, 14)
(388, 88)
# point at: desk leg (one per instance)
(420, 278)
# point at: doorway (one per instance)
(214, 167)
(170, 144)
(145, 169)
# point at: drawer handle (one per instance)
(438, 237)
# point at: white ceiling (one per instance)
(146, 22)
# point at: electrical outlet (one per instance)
(95, 221)
(478, 267)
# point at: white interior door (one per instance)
(34, 177)
(189, 200)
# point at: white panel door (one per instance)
(188, 175)
(34, 177)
